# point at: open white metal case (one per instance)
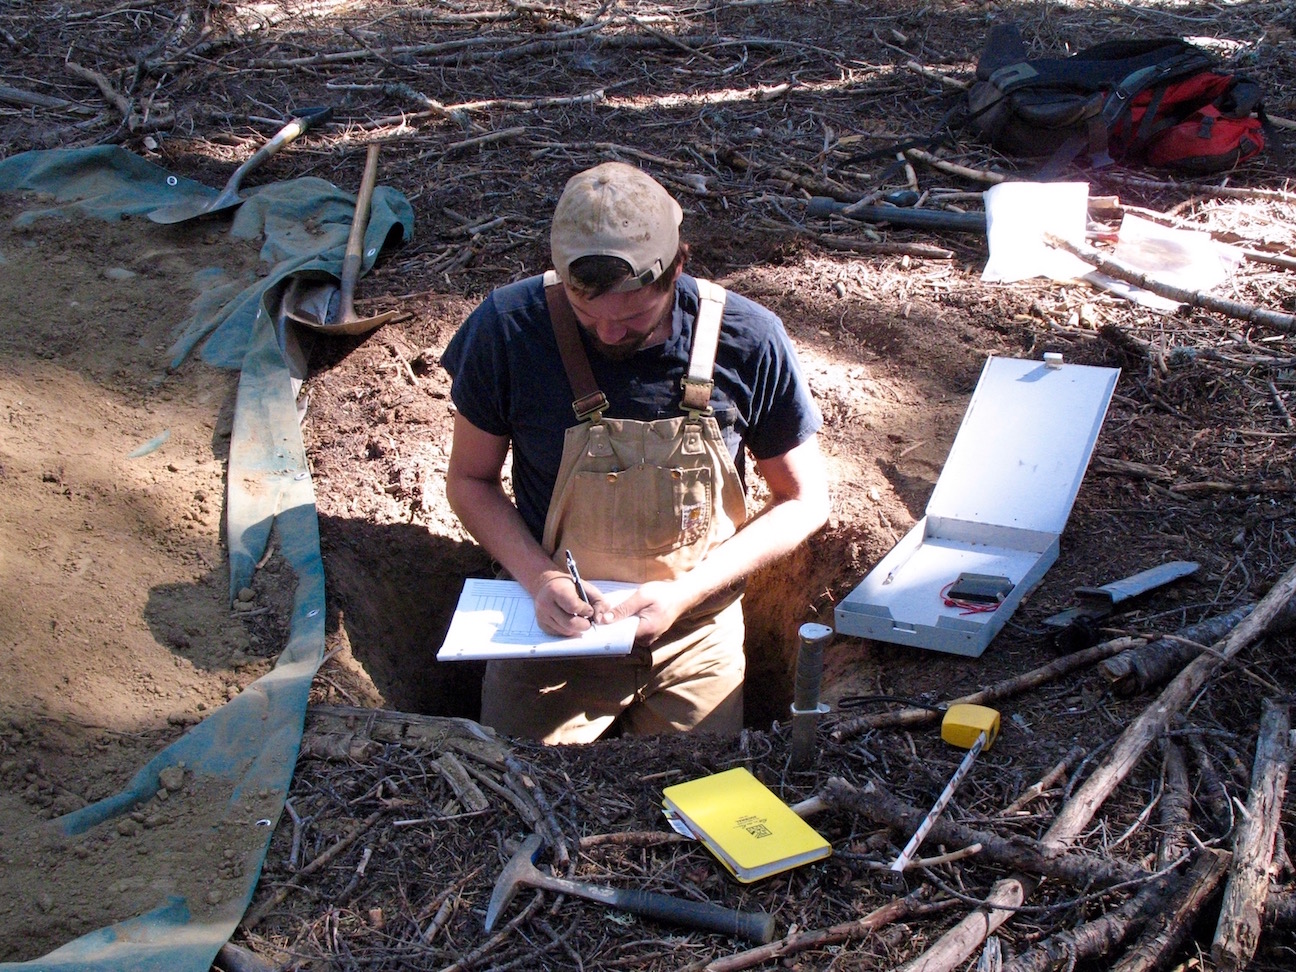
(998, 509)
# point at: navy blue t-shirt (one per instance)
(508, 380)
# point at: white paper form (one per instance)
(496, 619)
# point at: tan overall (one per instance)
(637, 501)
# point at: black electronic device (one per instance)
(980, 588)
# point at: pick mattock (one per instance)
(755, 926)
(970, 727)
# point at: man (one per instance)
(627, 391)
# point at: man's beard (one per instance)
(618, 352)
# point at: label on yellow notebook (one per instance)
(742, 822)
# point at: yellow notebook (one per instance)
(742, 822)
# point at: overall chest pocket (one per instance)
(641, 510)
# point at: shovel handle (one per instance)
(305, 119)
(752, 926)
(354, 256)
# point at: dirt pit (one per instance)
(116, 603)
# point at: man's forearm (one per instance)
(494, 522)
(766, 538)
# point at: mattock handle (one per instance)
(754, 926)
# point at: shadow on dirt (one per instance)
(393, 587)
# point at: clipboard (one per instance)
(495, 619)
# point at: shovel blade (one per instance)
(312, 303)
(193, 208)
(317, 304)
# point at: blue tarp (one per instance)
(251, 742)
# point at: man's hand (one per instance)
(658, 605)
(559, 609)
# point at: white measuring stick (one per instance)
(901, 862)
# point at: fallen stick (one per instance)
(132, 119)
(1134, 470)
(492, 945)
(17, 96)
(464, 48)
(1037, 789)
(110, 94)
(524, 778)
(1226, 192)
(1250, 488)
(503, 135)
(1280, 910)
(1096, 938)
(1077, 868)
(523, 803)
(1080, 809)
(915, 716)
(666, 38)
(816, 187)
(955, 946)
(631, 838)
(337, 747)
(909, 906)
(1212, 795)
(616, 148)
(1173, 926)
(1175, 808)
(1280, 407)
(936, 76)
(257, 914)
(1153, 664)
(442, 906)
(1194, 298)
(952, 168)
(1270, 259)
(921, 251)
(465, 790)
(1238, 932)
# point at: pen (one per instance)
(576, 579)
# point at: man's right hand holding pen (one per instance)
(580, 585)
(568, 605)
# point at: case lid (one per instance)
(1024, 443)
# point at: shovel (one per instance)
(328, 306)
(229, 197)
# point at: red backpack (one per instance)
(1206, 122)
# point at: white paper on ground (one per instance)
(1184, 258)
(1018, 214)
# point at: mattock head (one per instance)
(520, 867)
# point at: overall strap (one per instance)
(697, 383)
(590, 403)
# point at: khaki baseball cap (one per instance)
(616, 210)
